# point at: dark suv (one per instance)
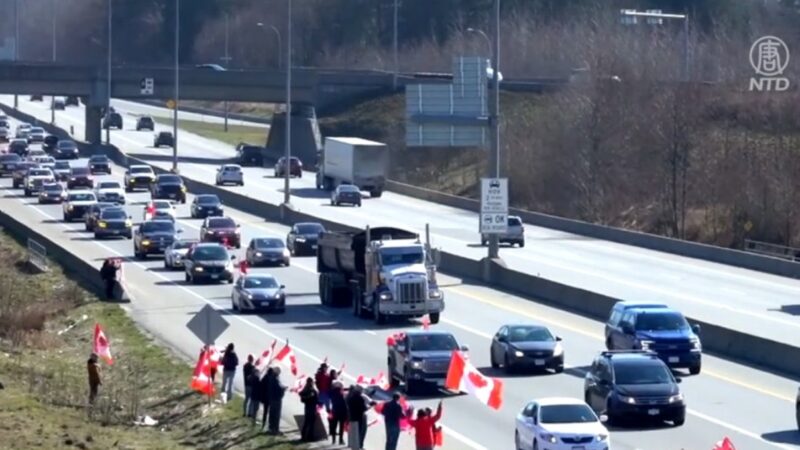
(208, 262)
(145, 123)
(80, 177)
(661, 330)
(112, 120)
(221, 229)
(100, 164)
(66, 150)
(634, 384)
(619, 309)
(168, 187)
(295, 167)
(164, 138)
(154, 237)
(421, 359)
(303, 237)
(249, 155)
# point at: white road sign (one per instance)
(146, 86)
(494, 205)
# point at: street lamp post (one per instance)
(657, 15)
(287, 169)
(278, 37)
(177, 87)
(53, 99)
(108, 80)
(394, 43)
(16, 43)
(227, 59)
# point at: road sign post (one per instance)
(208, 324)
(146, 86)
(494, 206)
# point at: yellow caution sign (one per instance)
(171, 104)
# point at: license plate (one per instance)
(172, 195)
(313, 247)
(653, 412)
(538, 362)
(114, 231)
(674, 359)
(214, 277)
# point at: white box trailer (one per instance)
(352, 160)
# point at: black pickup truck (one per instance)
(420, 359)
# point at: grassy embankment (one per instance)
(43, 373)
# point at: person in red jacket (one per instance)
(424, 425)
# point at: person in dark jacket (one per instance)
(392, 413)
(247, 374)
(357, 406)
(338, 414)
(310, 399)
(263, 390)
(109, 275)
(229, 363)
(323, 381)
(94, 377)
(276, 392)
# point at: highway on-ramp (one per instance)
(753, 408)
(745, 300)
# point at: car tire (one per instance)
(559, 369)
(484, 242)
(166, 266)
(234, 308)
(695, 370)
(535, 445)
(492, 361)
(434, 318)
(241, 183)
(507, 366)
(281, 310)
(679, 421)
(412, 386)
(611, 419)
(522, 244)
(230, 280)
(287, 263)
(517, 443)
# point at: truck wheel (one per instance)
(357, 310)
(323, 290)
(376, 193)
(434, 318)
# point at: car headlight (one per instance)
(696, 345)
(183, 188)
(676, 398)
(416, 364)
(602, 437)
(645, 345)
(198, 269)
(435, 294)
(385, 296)
(102, 224)
(628, 400)
(259, 254)
(128, 223)
(285, 252)
(131, 181)
(70, 207)
(548, 437)
(518, 354)
(278, 295)
(248, 296)
(145, 242)
(558, 350)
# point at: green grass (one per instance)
(45, 389)
(216, 131)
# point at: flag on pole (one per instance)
(201, 378)
(266, 357)
(243, 266)
(101, 347)
(464, 377)
(286, 353)
(724, 444)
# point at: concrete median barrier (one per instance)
(718, 340)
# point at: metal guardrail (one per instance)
(774, 250)
(37, 255)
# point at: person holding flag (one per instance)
(424, 428)
(101, 346)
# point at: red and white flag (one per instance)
(724, 444)
(101, 347)
(201, 378)
(243, 266)
(266, 357)
(287, 354)
(391, 341)
(299, 384)
(464, 377)
(213, 357)
(426, 322)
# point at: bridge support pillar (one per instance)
(306, 137)
(93, 131)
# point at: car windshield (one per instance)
(310, 228)
(648, 373)
(180, 245)
(268, 243)
(80, 171)
(221, 222)
(53, 187)
(401, 255)
(146, 120)
(160, 226)
(62, 165)
(81, 197)
(140, 170)
(514, 222)
(169, 179)
(10, 158)
(208, 200)
(162, 205)
(66, 144)
(529, 334)
(661, 322)
(98, 159)
(232, 168)
(348, 188)
(260, 283)
(113, 214)
(432, 342)
(215, 252)
(109, 185)
(38, 173)
(566, 414)
(37, 130)
(251, 150)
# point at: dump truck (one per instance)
(356, 161)
(380, 272)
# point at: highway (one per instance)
(754, 408)
(750, 301)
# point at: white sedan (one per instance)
(110, 191)
(159, 207)
(560, 424)
(230, 174)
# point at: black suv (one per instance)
(49, 144)
(18, 146)
(72, 100)
(421, 359)
(168, 187)
(303, 237)
(634, 383)
(208, 262)
(8, 163)
(154, 237)
(80, 177)
(249, 155)
(206, 205)
(145, 123)
(66, 150)
(100, 164)
(112, 120)
(92, 214)
(164, 138)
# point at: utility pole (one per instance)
(108, 101)
(53, 99)
(177, 84)
(227, 60)
(16, 43)
(394, 44)
(494, 111)
(287, 168)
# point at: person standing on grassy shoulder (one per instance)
(248, 371)
(94, 377)
(230, 361)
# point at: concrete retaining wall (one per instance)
(724, 342)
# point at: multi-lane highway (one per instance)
(740, 299)
(753, 408)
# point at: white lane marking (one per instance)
(736, 429)
(468, 329)
(370, 332)
(458, 436)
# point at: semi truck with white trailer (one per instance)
(352, 160)
(380, 272)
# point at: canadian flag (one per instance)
(299, 384)
(287, 353)
(101, 347)
(149, 211)
(724, 444)
(243, 267)
(391, 341)
(464, 377)
(263, 361)
(201, 378)
(426, 322)
(213, 357)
